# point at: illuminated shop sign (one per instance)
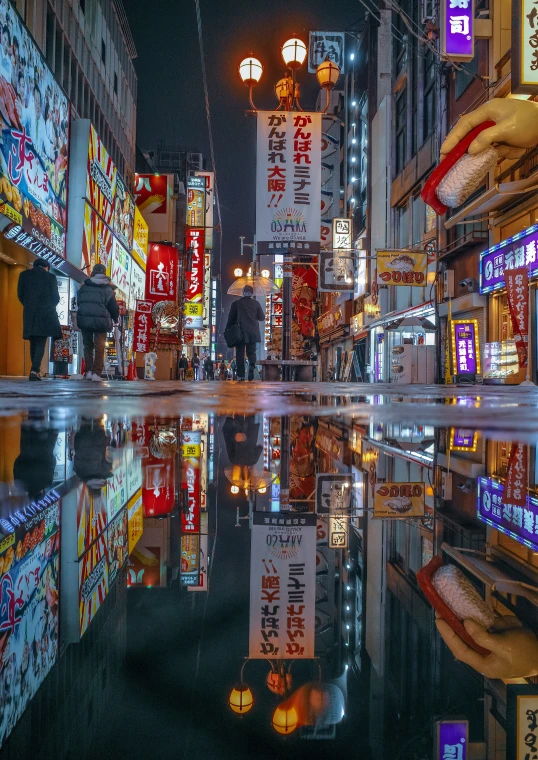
(512, 253)
(465, 347)
(518, 522)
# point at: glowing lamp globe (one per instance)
(294, 53)
(250, 71)
(262, 489)
(327, 75)
(266, 273)
(283, 88)
(241, 700)
(238, 272)
(234, 490)
(285, 720)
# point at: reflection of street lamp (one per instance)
(238, 272)
(266, 273)
(234, 490)
(241, 700)
(285, 720)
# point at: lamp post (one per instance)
(287, 91)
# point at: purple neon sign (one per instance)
(458, 29)
(452, 740)
(520, 523)
(517, 251)
(465, 348)
(463, 439)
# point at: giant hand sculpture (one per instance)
(515, 128)
(502, 127)
(514, 653)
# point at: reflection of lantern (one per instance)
(285, 720)
(234, 489)
(278, 683)
(241, 699)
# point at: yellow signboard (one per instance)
(135, 524)
(191, 450)
(402, 268)
(191, 309)
(140, 239)
(399, 500)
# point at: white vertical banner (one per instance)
(288, 182)
(282, 585)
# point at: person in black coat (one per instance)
(246, 312)
(35, 465)
(97, 310)
(38, 293)
(92, 463)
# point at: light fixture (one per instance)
(263, 489)
(294, 53)
(352, 56)
(354, 140)
(353, 103)
(285, 720)
(234, 490)
(241, 699)
(353, 125)
(283, 88)
(238, 272)
(327, 75)
(353, 159)
(266, 273)
(352, 200)
(353, 179)
(250, 71)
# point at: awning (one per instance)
(336, 335)
(411, 322)
(425, 309)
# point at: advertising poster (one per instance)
(120, 268)
(158, 491)
(517, 292)
(282, 585)
(91, 517)
(399, 500)
(196, 201)
(117, 545)
(402, 268)
(465, 347)
(161, 273)
(288, 182)
(190, 522)
(194, 241)
(209, 206)
(29, 620)
(123, 216)
(137, 287)
(140, 239)
(96, 241)
(34, 138)
(61, 350)
(101, 178)
(93, 581)
(518, 522)
(190, 553)
(144, 567)
(135, 521)
(116, 491)
(152, 196)
(193, 315)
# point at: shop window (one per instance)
(429, 93)
(463, 77)
(403, 226)
(115, 83)
(418, 208)
(401, 129)
(49, 38)
(103, 51)
(58, 50)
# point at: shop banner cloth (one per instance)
(142, 326)
(288, 182)
(515, 485)
(282, 585)
(517, 290)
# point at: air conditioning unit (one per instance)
(448, 283)
(446, 486)
(428, 11)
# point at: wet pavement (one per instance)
(216, 570)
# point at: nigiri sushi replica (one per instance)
(455, 599)
(459, 174)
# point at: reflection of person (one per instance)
(34, 467)
(246, 312)
(38, 293)
(209, 368)
(91, 463)
(241, 439)
(97, 310)
(196, 365)
(514, 652)
(183, 365)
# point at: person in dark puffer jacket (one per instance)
(97, 310)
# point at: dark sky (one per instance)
(170, 92)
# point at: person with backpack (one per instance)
(97, 311)
(246, 312)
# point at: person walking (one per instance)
(209, 369)
(183, 365)
(97, 311)
(38, 292)
(246, 312)
(196, 365)
(233, 367)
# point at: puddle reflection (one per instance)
(367, 584)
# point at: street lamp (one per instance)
(285, 720)
(241, 700)
(266, 273)
(238, 272)
(294, 53)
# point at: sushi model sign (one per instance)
(402, 268)
(399, 500)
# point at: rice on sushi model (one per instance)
(459, 174)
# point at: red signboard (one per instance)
(161, 273)
(158, 493)
(142, 326)
(151, 193)
(190, 522)
(195, 240)
(515, 486)
(517, 291)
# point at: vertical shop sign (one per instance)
(521, 721)
(452, 740)
(161, 273)
(524, 50)
(517, 291)
(288, 184)
(101, 177)
(282, 586)
(465, 347)
(457, 30)
(194, 241)
(515, 485)
(123, 214)
(326, 46)
(142, 326)
(196, 201)
(190, 522)
(209, 206)
(152, 196)
(120, 263)
(140, 239)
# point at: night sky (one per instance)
(170, 91)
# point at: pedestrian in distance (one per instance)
(196, 365)
(38, 293)
(247, 313)
(97, 311)
(233, 367)
(183, 365)
(209, 369)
